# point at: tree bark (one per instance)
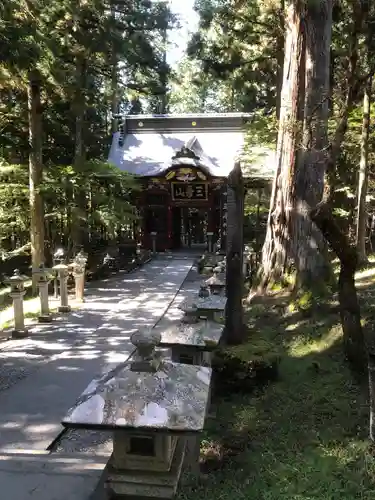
(292, 238)
(310, 255)
(371, 383)
(79, 193)
(114, 80)
(35, 171)
(276, 249)
(280, 58)
(350, 315)
(363, 176)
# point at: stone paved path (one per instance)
(100, 442)
(42, 376)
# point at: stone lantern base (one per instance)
(146, 484)
(45, 318)
(64, 309)
(20, 334)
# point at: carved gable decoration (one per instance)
(185, 174)
(185, 152)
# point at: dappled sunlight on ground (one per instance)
(300, 346)
(42, 376)
(305, 435)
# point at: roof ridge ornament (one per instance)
(185, 152)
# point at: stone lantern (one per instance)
(156, 409)
(203, 290)
(190, 313)
(191, 343)
(58, 258)
(207, 270)
(215, 283)
(212, 307)
(222, 265)
(43, 277)
(79, 266)
(63, 271)
(17, 292)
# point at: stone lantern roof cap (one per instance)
(215, 281)
(17, 277)
(211, 303)
(173, 399)
(60, 267)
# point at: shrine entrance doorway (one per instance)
(189, 227)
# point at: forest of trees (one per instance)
(68, 68)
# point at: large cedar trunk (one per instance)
(35, 171)
(362, 178)
(79, 232)
(280, 57)
(276, 249)
(291, 236)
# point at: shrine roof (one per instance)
(148, 144)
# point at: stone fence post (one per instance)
(153, 239)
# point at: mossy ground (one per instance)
(304, 436)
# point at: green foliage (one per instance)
(305, 435)
(240, 45)
(88, 55)
(108, 206)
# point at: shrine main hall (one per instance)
(182, 163)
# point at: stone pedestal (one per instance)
(45, 315)
(58, 258)
(153, 241)
(42, 277)
(62, 271)
(56, 286)
(19, 330)
(79, 267)
(209, 241)
(79, 278)
(127, 481)
(17, 292)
